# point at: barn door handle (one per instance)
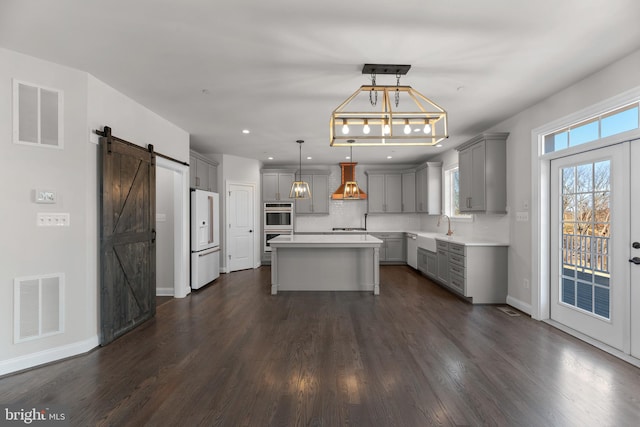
(153, 235)
(635, 260)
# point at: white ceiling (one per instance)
(280, 67)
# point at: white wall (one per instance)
(72, 173)
(29, 250)
(238, 170)
(617, 78)
(165, 219)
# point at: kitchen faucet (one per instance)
(449, 231)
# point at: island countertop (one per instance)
(325, 240)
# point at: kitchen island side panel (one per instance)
(324, 269)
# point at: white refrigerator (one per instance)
(205, 238)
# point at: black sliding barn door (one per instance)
(127, 237)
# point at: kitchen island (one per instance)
(321, 262)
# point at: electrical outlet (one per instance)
(525, 283)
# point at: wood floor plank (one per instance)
(231, 354)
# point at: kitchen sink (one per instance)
(427, 241)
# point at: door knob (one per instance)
(636, 245)
(635, 260)
(250, 231)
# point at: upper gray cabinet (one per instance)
(384, 191)
(409, 191)
(276, 184)
(483, 173)
(319, 201)
(203, 172)
(429, 188)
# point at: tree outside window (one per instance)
(452, 194)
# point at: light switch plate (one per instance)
(522, 216)
(47, 219)
(45, 196)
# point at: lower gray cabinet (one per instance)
(476, 272)
(422, 260)
(443, 265)
(432, 264)
(428, 263)
(392, 250)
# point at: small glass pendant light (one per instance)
(300, 189)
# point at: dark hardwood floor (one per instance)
(231, 354)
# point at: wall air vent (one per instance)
(38, 306)
(37, 115)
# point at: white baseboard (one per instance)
(164, 292)
(516, 303)
(47, 356)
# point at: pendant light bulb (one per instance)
(366, 129)
(386, 130)
(427, 128)
(345, 127)
(407, 128)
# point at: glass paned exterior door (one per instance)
(589, 263)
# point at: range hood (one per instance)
(348, 177)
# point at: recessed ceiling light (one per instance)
(439, 145)
(246, 131)
(389, 157)
(309, 157)
(348, 158)
(270, 158)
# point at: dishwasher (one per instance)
(412, 250)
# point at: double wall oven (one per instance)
(278, 219)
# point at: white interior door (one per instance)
(589, 244)
(241, 227)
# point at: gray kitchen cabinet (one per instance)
(384, 192)
(476, 272)
(422, 260)
(428, 263)
(276, 184)
(392, 250)
(409, 191)
(203, 172)
(443, 262)
(395, 249)
(432, 264)
(482, 163)
(429, 188)
(319, 201)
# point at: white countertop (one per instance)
(426, 240)
(325, 240)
